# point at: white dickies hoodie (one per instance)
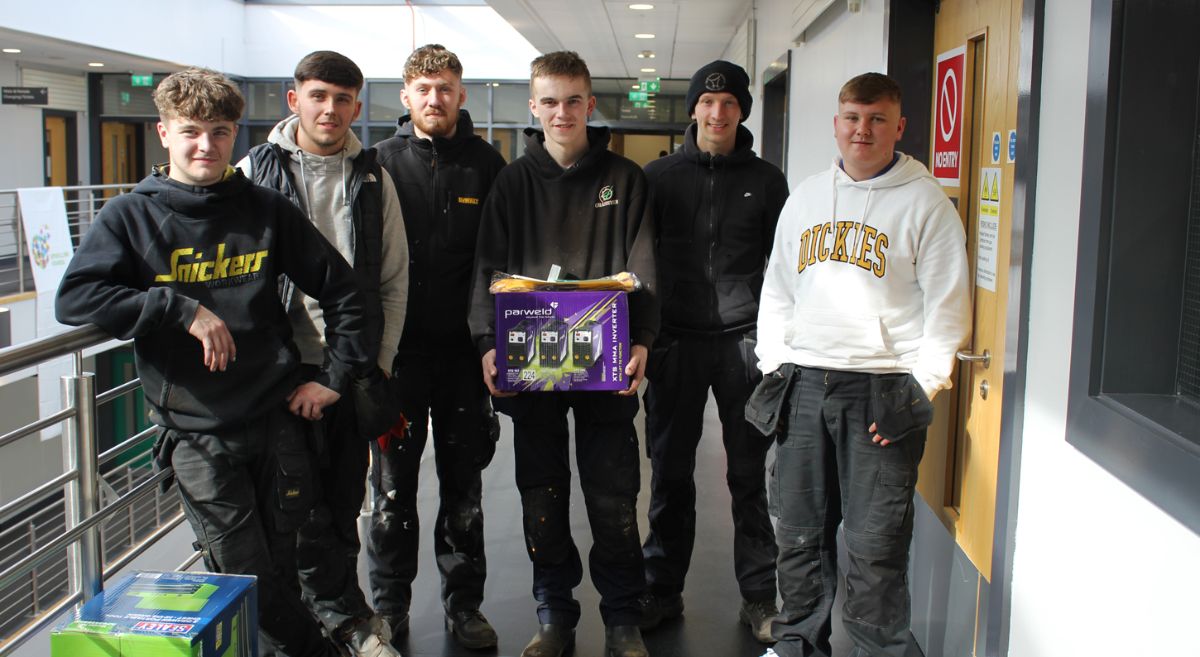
(867, 276)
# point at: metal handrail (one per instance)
(71, 341)
(83, 515)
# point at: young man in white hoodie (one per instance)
(864, 304)
(315, 159)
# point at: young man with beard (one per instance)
(314, 158)
(442, 171)
(864, 304)
(188, 266)
(543, 211)
(716, 204)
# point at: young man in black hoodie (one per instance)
(187, 265)
(442, 171)
(716, 205)
(571, 202)
(314, 159)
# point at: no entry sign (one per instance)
(948, 115)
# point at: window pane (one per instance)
(512, 103)
(120, 98)
(376, 134)
(266, 100)
(385, 102)
(477, 103)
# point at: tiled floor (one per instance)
(708, 628)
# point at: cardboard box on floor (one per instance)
(151, 614)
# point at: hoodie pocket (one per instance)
(839, 335)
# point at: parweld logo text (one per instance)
(528, 312)
(173, 628)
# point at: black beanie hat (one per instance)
(721, 76)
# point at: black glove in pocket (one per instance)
(899, 405)
(764, 409)
(375, 407)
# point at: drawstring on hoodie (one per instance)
(861, 226)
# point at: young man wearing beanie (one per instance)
(716, 204)
(864, 304)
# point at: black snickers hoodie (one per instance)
(593, 219)
(154, 254)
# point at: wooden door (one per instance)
(959, 472)
(56, 151)
(118, 153)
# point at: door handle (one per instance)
(968, 357)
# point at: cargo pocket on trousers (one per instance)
(293, 485)
(898, 406)
(892, 500)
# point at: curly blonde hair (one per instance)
(199, 93)
(429, 60)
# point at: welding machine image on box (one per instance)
(585, 343)
(522, 343)
(552, 343)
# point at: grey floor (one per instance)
(708, 628)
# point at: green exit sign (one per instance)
(141, 80)
(652, 86)
(638, 96)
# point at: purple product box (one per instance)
(556, 341)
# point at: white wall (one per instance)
(21, 165)
(379, 38)
(1098, 570)
(838, 46)
(182, 31)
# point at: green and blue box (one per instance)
(151, 614)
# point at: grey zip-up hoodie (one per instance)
(322, 182)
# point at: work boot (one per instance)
(758, 616)
(624, 641)
(396, 622)
(551, 640)
(471, 629)
(368, 638)
(656, 609)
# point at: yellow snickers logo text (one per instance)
(468, 200)
(189, 266)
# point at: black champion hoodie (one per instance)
(715, 217)
(154, 254)
(592, 219)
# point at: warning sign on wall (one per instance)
(947, 117)
(989, 228)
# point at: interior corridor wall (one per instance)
(208, 33)
(21, 165)
(1097, 570)
(837, 46)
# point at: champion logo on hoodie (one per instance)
(606, 197)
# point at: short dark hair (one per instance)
(200, 94)
(565, 63)
(869, 88)
(329, 66)
(429, 60)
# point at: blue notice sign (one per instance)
(1012, 146)
(995, 148)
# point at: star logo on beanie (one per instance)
(714, 81)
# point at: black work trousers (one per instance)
(828, 472)
(606, 453)
(683, 370)
(245, 491)
(447, 386)
(327, 544)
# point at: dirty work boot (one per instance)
(656, 609)
(624, 641)
(368, 638)
(551, 640)
(471, 629)
(397, 623)
(758, 616)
